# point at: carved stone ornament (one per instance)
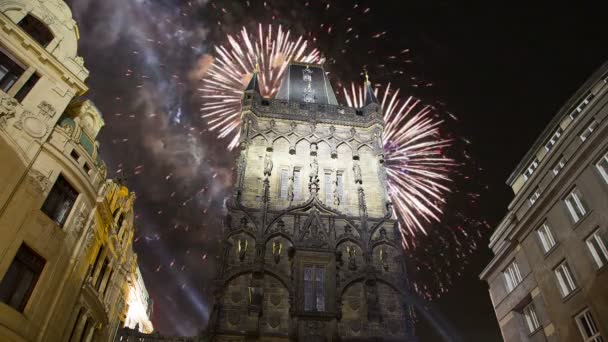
(236, 297)
(31, 124)
(275, 299)
(234, 317)
(38, 180)
(274, 320)
(7, 109)
(47, 109)
(80, 220)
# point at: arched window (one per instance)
(37, 30)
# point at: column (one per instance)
(88, 335)
(79, 327)
(95, 272)
(21, 81)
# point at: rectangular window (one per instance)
(328, 192)
(535, 195)
(512, 276)
(27, 87)
(320, 287)
(308, 289)
(587, 327)
(314, 288)
(576, 206)
(60, 201)
(297, 187)
(340, 186)
(602, 166)
(588, 130)
(546, 237)
(579, 109)
(597, 248)
(564, 279)
(21, 278)
(554, 138)
(531, 318)
(531, 168)
(102, 272)
(284, 183)
(10, 72)
(557, 168)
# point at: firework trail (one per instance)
(271, 50)
(417, 169)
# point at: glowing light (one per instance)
(417, 169)
(222, 87)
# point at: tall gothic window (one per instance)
(314, 288)
(37, 30)
(340, 186)
(296, 184)
(60, 201)
(284, 183)
(21, 278)
(328, 192)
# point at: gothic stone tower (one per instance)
(311, 252)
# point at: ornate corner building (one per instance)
(548, 278)
(66, 246)
(311, 251)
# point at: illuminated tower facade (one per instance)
(311, 251)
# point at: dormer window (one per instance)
(37, 30)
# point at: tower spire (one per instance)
(370, 97)
(253, 84)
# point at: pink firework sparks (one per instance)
(232, 67)
(418, 171)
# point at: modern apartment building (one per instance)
(548, 279)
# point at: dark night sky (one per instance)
(503, 70)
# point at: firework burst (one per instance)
(222, 87)
(417, 168)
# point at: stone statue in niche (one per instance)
(244, 223)
(267, 165)
(357, 173)
(352, 260)
(336, 195)
(314, 169)
(362, 205)
(290, 194)
(313, 149)
(277, 247)
(383, 234)
(242, 248)
(384, 255)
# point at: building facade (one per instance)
(127, 334)
(548, 276)
(311, 250)
(53, 213)
(140, 305)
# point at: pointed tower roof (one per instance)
(304, 82)
(370, 96)
(254, 84)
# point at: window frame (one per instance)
(559, 165)
(603, 171)
(546, 238)
(568, 285)
(595, 254)
(593, 328)
(531, 318)
(49, 208)
(28, 261)
(316, 290)
(512, 276)
(575, 197)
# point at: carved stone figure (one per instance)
(267, 165)
(352, 260)
(384, 255)
(242, 248)
(277, 247)
(290, 194)
(7, 109)
(357, 173)
(314, 169)
(362, 205)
